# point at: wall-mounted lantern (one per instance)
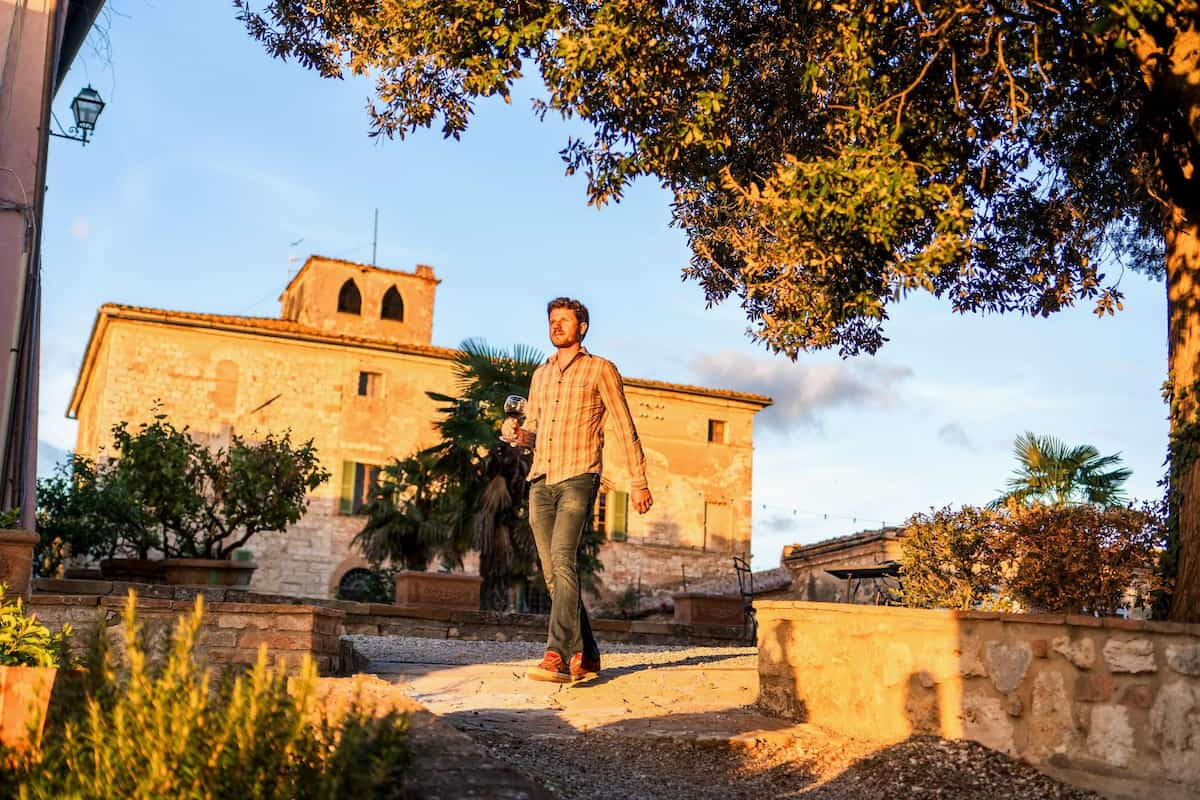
(86, 107)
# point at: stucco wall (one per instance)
(1111, 704)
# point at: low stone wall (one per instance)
(231, 634)
(238, 621)
(1110, 704)
(372, 619)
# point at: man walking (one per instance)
(568, 400)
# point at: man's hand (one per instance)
(642, 500)
(512, 433)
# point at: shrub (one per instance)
(88, 509)
(1067, 559)
(151, 731)
(25, 642)
(1081, 559)
(949, 559)
(167, 492)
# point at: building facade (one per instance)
(348, 364)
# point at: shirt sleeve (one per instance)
(612, 394)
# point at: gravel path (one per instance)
(596, 766)
(448, 652)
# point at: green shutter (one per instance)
(346, 500)
(618, 516)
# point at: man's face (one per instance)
(565, 329)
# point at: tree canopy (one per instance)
(827, 157)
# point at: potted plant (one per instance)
(167, 494)
(30, 656)
(16, 551)
(88, 510)
(405, 528)
(251, 487)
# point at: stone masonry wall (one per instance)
(231, 634)
(1111, 704)
(237, 622)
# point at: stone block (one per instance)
(970, 665)
(1052, 726)
(1040, 648)
(1133, 656)
(1014, 705)
(1094, 688)
(294, 622)
(1007, 663)
(1139, 695)
(1175, 726)
(1110, 735)
(1080, 652)
(986, 721)
(275, 641)
(1184, 658)
(226, 638)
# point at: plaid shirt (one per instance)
(566, 412)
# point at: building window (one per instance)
(716, 431)
(617, 512)
(368, 384)
(358, 481)
(598, 515)
(349, 298)
(393, 305)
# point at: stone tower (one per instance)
(348, 299)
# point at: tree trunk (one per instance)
(1183, 358)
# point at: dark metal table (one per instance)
(883, 579)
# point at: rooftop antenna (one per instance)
(375, 239)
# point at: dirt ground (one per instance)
(677, 722)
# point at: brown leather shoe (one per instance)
(582, 669)
(552, 669)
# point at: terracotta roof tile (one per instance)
(270, 325)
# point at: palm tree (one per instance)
(1050, 471)
(402, 526)
(486, 498)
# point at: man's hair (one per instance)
(581, 312)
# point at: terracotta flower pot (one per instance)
(693, 608)
(24, 698)
(440, 589)
(208, 572)
(16, 560)
(133, 570)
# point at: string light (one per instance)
(825, 515)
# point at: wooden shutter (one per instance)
(618, 516)
(346, 498)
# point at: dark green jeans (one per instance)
(557, 514)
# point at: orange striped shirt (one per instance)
(566, 413)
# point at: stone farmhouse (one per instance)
(348, 364)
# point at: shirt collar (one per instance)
(553, 359)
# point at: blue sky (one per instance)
(211, 158)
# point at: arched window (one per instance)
(349, 298)
(362, 586)
(393, 305)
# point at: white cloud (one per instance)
(802, 392)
